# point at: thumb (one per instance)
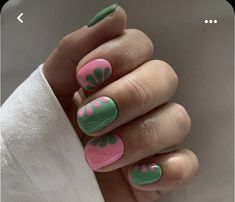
(60, 67)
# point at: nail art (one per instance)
(103, 151)
(102, 14)
(97, 114)
(146, 174)
(94, 73)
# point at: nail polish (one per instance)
(102, 14)
(146, 174)
(97, 114)
(103, 151)
(94, 73)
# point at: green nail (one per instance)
(102, 14)
(97, 114)
(146, 174)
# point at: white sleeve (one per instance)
(42, 157)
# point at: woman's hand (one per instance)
(126, 111)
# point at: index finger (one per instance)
(60, 67)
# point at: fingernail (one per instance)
(102, 14)
(103, 151)
(97, 114)
(94, 73)
(146, 174)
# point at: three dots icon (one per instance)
(211, 21)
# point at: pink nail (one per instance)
(103, 151)
(94, 73)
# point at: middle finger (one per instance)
(138, 92)
(113, 59)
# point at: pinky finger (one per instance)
(164, 172)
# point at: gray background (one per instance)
(201, 54)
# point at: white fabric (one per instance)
(42, 157)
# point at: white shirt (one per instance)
(42, 157)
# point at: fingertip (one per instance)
(113, 14)
(60, 67)
(178, 169)
(122, 16)
(193, 163)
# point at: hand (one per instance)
(125, 97)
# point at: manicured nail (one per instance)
(94, 73)
(97, 114)
(146, 174)
(102, 14)
(103, 151)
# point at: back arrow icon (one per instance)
(19, 17)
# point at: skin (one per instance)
(142, 88)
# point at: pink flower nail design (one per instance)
(94, 73)
(103, 151)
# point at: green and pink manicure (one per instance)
(94, 73)
(146, 174)
(102, 14)
(97, 114)
(103, 151)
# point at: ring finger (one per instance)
(143, 137)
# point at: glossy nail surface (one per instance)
(97, 114)
(146, 174)
(103, 151)
(94, 73)
(102, 14)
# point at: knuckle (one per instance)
(176, 174)
(168, 73)
(126, 53)
(147, 135)
(189, 165)
(180, 167)
(193, 161)
(175, 170)
(137, 32)
(140, 34)
(65, 43)
(182, 119)
(140, 94)
(120, 18)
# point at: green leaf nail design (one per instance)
(94, 73)
(106, 73)
(95, 142)
(89, 87)
(112, 139)
(103, 141)
(102, 14)
(99, 76)
(91, 80)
